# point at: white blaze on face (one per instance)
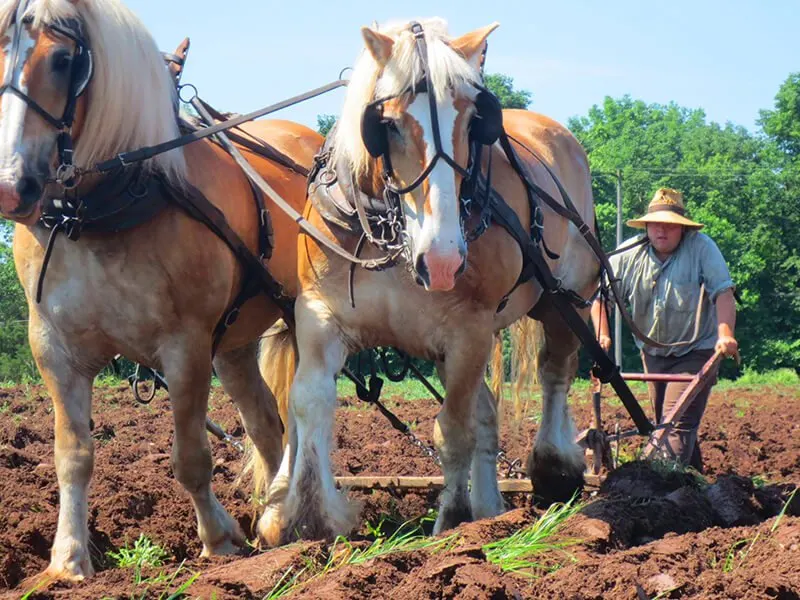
(437, 236)
(12, 107)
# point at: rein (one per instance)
(128, 158)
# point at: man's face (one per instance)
(664, 237)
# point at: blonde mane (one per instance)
(448, 70)
(130, 99)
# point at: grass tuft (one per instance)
(536, 550)
(144, 553)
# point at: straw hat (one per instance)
(665, 207)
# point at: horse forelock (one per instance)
(449, 71)
(130, 98)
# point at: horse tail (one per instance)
(277, 362)
(497, 367)
(527, 339)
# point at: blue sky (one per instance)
(727, 57)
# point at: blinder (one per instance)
(374, 130)
(486, 126)
(81, 68)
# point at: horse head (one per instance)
(414, 106)
(82, 80)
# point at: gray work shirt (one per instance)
(663, 296)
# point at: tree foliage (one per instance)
(16, 362)
(502, 86)
(325, 123)
(782, 124)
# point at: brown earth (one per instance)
(645, 534)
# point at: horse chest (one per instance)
(89, 288)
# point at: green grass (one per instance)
(750, 378)
(144, 553)
(407, 538)
(783, 510)
(536, 550)
(410, 388)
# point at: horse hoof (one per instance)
(451, 517)
(555, 483)
(73, 572)
(223, 548)
(270, 526)
(231, 542)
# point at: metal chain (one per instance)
(430, 451)
(513, 468)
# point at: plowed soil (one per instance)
(646, 533)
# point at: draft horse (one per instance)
(400, 181)
(128, 270)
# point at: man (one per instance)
(680, 293)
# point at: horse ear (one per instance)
(470, 45)
(378, 44)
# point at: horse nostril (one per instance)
(29, 190)
(423, 278)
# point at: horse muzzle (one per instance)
(20, 199)
(438, 272)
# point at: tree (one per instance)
(502, 86)
(16, 361)
(782, 125)
(325, 123)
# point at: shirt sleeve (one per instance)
(714, 271)
(616, 262)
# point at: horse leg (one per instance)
(238, 371)
(485, 497)
(454, 430)
(189, 376)
(71, 391)
(556, 464)
(313, 507)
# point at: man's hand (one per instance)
(605, 343)
(727, 345)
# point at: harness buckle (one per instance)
(68, 175)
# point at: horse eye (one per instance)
(391, 125)
(61, 61)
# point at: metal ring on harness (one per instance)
(136, 380)
(180, 93)
(68, 176)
